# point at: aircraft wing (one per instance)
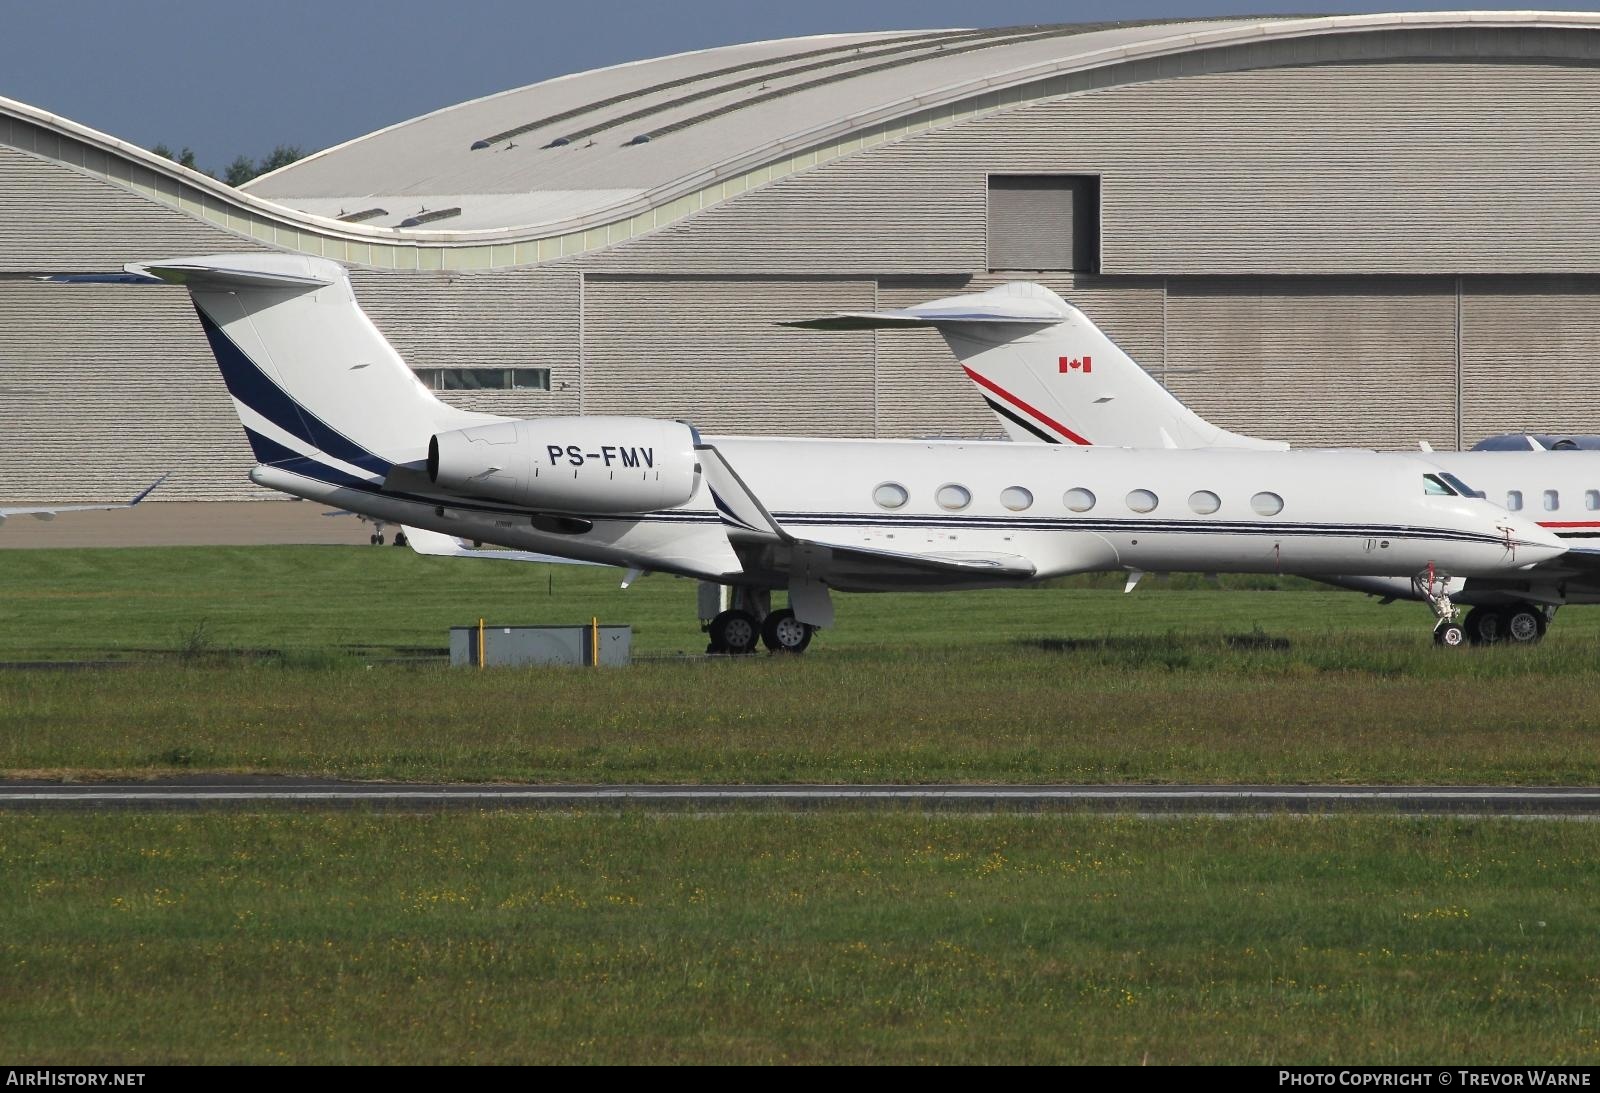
(438, 545)
(741, 510)
(974, 564)
(48, 512)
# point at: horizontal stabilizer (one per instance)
(1018, 304)
(1007, 304)
(238, 271)
(102, 279)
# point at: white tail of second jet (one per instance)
(317, 387)
(1049, 374)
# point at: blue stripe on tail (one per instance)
(253, 388)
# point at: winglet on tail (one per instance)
(1049, 374)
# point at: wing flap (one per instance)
(965, 563)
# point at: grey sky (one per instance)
(225, 77)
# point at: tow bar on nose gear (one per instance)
(1434, 587)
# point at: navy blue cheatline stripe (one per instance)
(252, 387)
(1135, 526)
(1020, 420)
(311, 468)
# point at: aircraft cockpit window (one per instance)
(1434, 486)
(1459, 486)
(891, 495)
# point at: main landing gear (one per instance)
(1518, 624)
(747, 618)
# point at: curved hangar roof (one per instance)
(584, 161)
(600, 140)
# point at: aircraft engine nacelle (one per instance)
(570, 464)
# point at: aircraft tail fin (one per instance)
(316, 386)
(1049, 374)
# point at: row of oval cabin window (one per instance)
(892, 495)
(1552, 500)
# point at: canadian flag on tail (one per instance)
(1075, 364)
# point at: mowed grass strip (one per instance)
(378, 602)
(280, 660)
(640, 938)
(1019, 714)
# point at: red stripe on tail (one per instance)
(990, 385)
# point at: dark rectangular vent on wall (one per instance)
(1044, 222)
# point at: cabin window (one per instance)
(1514, 500)
(953, 497)
(1078, 499)
(1016, 498)
(890, 495)
(1266, 503)
(1204, 502)
(1591, 499)
(1142, 501)
(1552, 500)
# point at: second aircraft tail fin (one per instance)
(1049, 374)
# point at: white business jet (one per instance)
(334, 415)
(1051, 376)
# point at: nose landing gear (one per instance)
(1434, 587)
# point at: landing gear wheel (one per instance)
(735, 632)
(1486, 625)
(783, 633)
(373, 539)
(1449, 634)
(378, 538)
(400, 538)
(1525, 624)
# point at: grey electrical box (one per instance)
(512, 646)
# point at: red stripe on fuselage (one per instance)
(1569, 523)
(990, 385)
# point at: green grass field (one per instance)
(642, 938)
(755, 936)
(295, 660)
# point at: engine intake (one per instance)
(570, 464)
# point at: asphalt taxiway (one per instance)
(203, 792)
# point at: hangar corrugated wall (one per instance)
(1333, 253)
